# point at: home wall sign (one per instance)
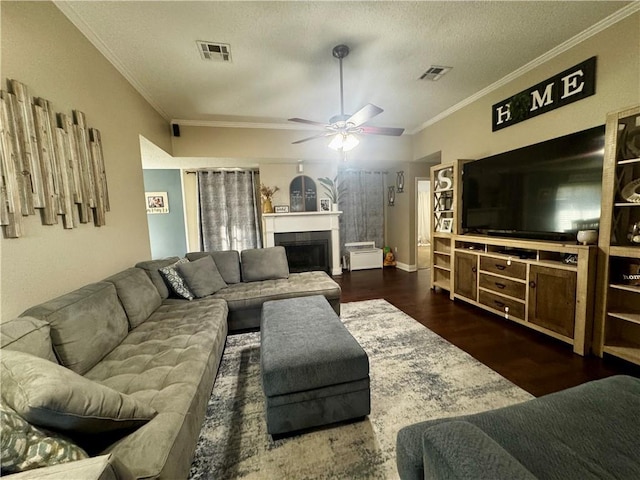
(48, 162)
(573, 84)
(303, 194)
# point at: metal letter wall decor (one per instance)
(48, 162)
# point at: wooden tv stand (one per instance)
(529, 282)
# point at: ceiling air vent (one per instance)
(435, 72)
(218, 52)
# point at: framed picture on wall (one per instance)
(447, 225)
(157, 202)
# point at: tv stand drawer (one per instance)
(503, 286)
(507, 306)
(505, 267)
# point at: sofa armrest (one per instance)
(460, 450)
(104, 467)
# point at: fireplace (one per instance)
(306, 251)
(307, 223)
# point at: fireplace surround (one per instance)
(326, 223)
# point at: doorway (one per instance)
(422, 221)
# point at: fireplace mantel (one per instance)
(305, 222)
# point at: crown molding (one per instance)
(74, 17)
(228, 124)
(554, 52)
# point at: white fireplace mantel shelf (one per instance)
(305, 222)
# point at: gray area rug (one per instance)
(415, 375)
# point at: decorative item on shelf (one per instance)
(267, 194)
(446, 225)
(587, 237)
(631, 274)
(634, 233)
(281, 208)
(631, 191)
(400, 181)
(333, 190)
(632, 143)
(325, 205)
(391, 196)
(444, 182)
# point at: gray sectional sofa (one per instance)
(585, 432)
(124, 371)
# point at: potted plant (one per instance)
(333, 190)
(267, 193)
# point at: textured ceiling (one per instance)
(282, 64)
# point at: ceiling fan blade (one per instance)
(365, 114)
(309, 122)
(394, 132)
(313, 138)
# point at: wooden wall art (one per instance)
(49, 162)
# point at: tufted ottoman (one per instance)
(313, 371)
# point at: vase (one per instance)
(334, 207)
(267, 207)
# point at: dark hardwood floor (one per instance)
(535, 362)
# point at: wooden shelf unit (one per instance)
(529, 282)
(617, 328)
(445, 198)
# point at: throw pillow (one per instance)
(136, 292)
(264, 264)
(49, 395)
(173, 278)
(152, 268)
(25, 447)
(202, 276)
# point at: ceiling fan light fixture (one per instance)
(344, 142)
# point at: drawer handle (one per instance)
(474, 269)
(500, 267)
(532, 284)
(500, 285)
(499, 304)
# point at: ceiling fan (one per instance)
(344, 128)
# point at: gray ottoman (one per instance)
(313, 371)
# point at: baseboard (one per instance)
(406, 268)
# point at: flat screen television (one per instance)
(546, 191)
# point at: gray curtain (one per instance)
(229, 218)
(362, 205)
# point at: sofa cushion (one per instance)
(137, 293)
(27, 334)
(86, 324)
(251, 295)
(49, 395)
(227, 261)
(264, 264)
(152, 267)
(175, 280)
(202, 276)
(25, 447)
(168, 362)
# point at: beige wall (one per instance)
(274, 146)
(467, 133)
(401, 218)
(43, 50)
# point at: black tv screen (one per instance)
(549, 190)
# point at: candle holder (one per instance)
(391, 196)
(400, 181)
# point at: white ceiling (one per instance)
(282, 63)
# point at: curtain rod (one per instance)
(231, 169)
